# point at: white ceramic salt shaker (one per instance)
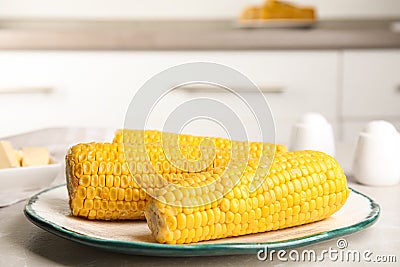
(313, 132)
(377, 155)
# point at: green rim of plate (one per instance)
(155, 249)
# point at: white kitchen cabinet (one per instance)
(95, 88)
(371, 89)
(371, 83)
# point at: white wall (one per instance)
(181, 9)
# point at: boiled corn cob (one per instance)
(128, 136)
(301, 187)
(102, 178)
(198, 150)
(100, 185)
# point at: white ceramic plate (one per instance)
(28, 178)
(49, 210)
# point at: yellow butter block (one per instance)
(34, 156)
(8, 157)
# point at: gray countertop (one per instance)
(193, 35)
(24, 244)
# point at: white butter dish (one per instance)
(28, 178)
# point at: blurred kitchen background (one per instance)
(79, 63)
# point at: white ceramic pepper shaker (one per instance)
(313, 132)
(377, 155)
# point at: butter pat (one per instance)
(34, 156)
(8, 157)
